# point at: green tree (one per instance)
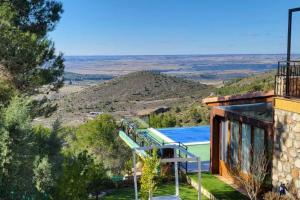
(43, 177)
(100, 138)
(81, 175)
(149, 175)
(30, 157)
(17, 161)
(162, 120)
(168, 120)
(25, 51)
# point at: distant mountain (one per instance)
(205, 68)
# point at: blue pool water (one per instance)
(187, 134)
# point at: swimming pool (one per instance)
(187, 135)
(196, 138)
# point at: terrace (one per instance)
(287, 83)
(287, 79)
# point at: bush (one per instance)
(276, 196)
(162, 120)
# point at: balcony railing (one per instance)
(287, 79)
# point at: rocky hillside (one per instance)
(131, 93)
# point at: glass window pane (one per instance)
(246, 146)
(259, 142)
(234, 141)
(224, 140)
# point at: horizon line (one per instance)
(215, 54)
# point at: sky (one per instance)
(167, 27)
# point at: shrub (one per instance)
(276, 196)
(149, 175)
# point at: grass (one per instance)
(211, 183)
(187, 192)
(218, 188)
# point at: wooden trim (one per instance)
(254, 97)
(238, 117)
(214, 147)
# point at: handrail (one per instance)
(287, 79)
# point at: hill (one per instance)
(253, 83)
(129, 94)
(197, 113)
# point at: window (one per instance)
(246, 146)
(224, 140)
(234, 142)
(259, 142)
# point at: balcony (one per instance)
(287, 79)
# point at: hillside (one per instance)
(129, 94)
(197, 113)
(141, 92)
(258, 82)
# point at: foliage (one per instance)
(25, 51)
(43, 178)
(100, 138)
(262, 82)
(277, 196)
(29, 160)
(7, 91)
(195, 114)
(162, 120)
(18, 144)
(80, 174)
(149, 175)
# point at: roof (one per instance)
(150, 111)
(259, 111)
(248, 98)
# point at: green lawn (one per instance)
(186, 192)
(218, 188)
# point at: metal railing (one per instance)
(143, 138)
(287, 79)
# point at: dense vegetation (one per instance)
(37, 162)
(191, 115)
(56, 163)
(25, 50)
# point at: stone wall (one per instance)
(286, 156)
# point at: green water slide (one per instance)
(131, 143)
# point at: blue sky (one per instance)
(154, 27)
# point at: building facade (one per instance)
(245, 125)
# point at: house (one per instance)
(243, 126)
(238, 124)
